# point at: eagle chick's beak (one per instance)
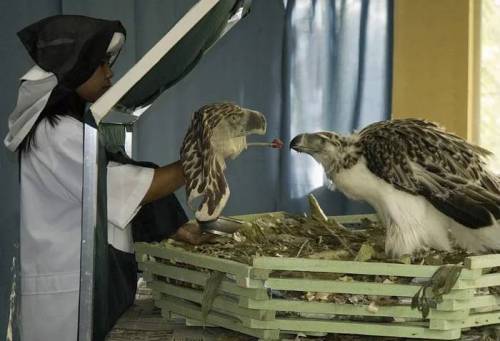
(296, 142)
(256, 122)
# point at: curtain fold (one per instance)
(336, 77)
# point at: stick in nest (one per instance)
(318, 215)
(339, 238)
(301, 247)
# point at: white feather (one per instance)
(412, 222)
(477, 240)
(203, 215)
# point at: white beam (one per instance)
(107, 101)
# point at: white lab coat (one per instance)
(51, 199)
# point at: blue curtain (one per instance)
(336, 77)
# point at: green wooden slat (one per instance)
(156, 295)
(348, 309)
(360, 328)
(246, 282)
(146, 275)
(354, 287)
(485, 301)
(487, 280)
(177, 254)
(453, 305)
(474, 320)
(482, 319)
(483, 261)
(196, 323)
(459, 294)
(220, 303)
(192, 311)
(260, 273)
(200, 278)
(348, 267)
(352, 267)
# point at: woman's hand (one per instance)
(191, 233)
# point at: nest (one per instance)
(316, 236)
(313, 236)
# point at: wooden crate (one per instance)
(245, 301)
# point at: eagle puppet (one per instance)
(422, 181)
(217, 132)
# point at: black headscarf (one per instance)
(70, 46)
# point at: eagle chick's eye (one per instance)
(233, 117)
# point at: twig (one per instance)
(340, 239)
(338, 225)
(301, 247)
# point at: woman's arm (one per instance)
(166, 180)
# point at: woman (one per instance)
(73, 56)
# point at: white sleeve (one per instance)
(127, 186)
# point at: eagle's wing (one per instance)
(203, 171)
(216, 191)
(192, 163)
(420, 158)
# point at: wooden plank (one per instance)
(460, 294)
(471, 274)
(260, 273)
(484, 301)
(474, 320)
(482, 319)
(401, 311)
(453, 305)
(146, 275)
(354, 287)
(360, 328)
(177, 254)
(200, 278)
(246, 282)
(192, 311)
(347, 267)
(487, 280)
(221, 303)
(483, 261)
(352, 267)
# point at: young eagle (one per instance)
(217, 132)
(422, 181)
